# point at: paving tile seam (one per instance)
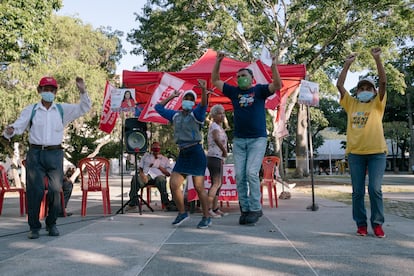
(302, 256)
(154, 254)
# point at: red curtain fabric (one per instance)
(145, 83)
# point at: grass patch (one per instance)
(394, 207)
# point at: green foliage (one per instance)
(334, 114)
(111, 150)
(73, 50)
(174, 33)
(25, 30)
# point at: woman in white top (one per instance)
(217, 151)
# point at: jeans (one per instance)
(374, 164)
(248, 156)
(41, 163)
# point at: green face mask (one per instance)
(244, 82)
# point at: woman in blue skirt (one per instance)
(191, 159)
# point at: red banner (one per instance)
(167, 85)
(108, 117)
(228, 190)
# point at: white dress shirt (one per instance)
(47, 126)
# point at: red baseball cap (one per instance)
(48, 81)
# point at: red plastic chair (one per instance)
(5, 187)
(44, 205)
(148, 188)
(94, 173)
(269, 165)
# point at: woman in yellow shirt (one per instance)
(366, 147)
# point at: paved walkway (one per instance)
(289, 240)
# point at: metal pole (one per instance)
(314, 206)
(122, 162)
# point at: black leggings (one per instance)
(215, 167)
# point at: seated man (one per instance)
(67, 188)
(154, 168)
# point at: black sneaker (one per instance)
(33, 234)
(53, 231)
(258, 213)
(62, 215)
(252, 218)
(243, 217)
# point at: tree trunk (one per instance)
(411, 126)
(302, 168)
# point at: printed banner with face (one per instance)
(309, 93)
(167, 85)
(123, 100)
(108, 117)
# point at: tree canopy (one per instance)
(173, 33)
(24, 32)
(74, 49)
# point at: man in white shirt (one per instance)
(46, 122)
(154, 168)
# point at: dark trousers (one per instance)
(40, 164)
(160, 182)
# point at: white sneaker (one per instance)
(213, 214)
(220, 213)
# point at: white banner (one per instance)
(309, 93)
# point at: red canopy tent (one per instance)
(145, 83)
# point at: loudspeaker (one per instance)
(135, 136)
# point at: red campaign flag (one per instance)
(281, 129)
(262, 76)
(108, 117)
(166, 87)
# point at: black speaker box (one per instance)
(136, 140)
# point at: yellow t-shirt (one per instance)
(365, 134)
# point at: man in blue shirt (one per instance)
(250, 136)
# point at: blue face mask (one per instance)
(47, 96)
(365, 96)
(187, 105)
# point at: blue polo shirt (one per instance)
(249, 109)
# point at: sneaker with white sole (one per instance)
(362, 231)
(180, 219)
(213, 214)
(204, 223)
(378, 232)
(221, 213)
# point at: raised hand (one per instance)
(351, 58)
(80, 84)
(376, 52)
(220, 56)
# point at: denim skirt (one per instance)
(191, 161)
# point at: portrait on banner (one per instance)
(123, 100)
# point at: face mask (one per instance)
(365, 96)
(244, 82)
(47, 96)
(187, 105)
